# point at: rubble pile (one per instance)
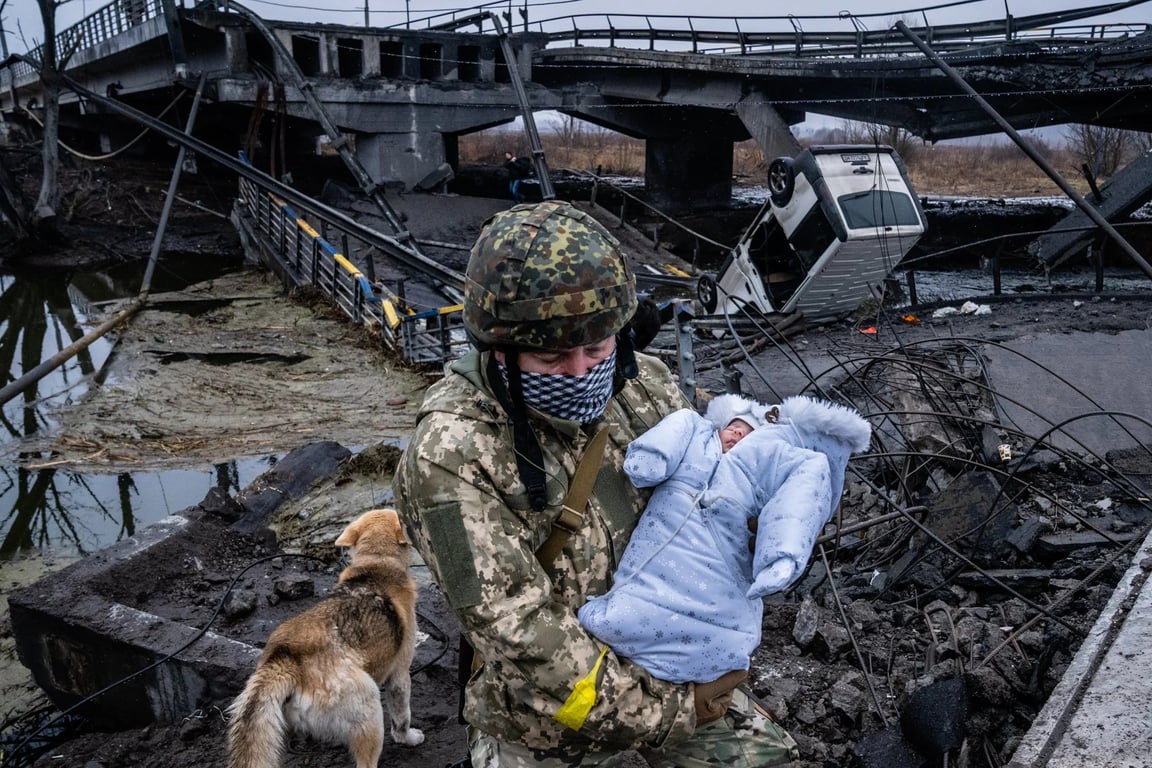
(966, 566)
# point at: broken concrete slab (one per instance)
(1055, 545)
(130, 635)
(1106, 365)
(77, 642)
(972, 513)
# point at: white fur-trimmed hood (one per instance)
(821, 417)
(723, 408)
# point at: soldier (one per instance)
(548, 299)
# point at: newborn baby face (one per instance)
(736, 431)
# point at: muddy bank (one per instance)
(230, 369)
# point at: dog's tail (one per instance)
(256, 727)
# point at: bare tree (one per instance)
(1102, 151)
(51, 66)
(900, 139)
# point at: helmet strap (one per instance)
(525, 444)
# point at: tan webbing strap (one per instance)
(571, 518)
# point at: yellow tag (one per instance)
(583, 697)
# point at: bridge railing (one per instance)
(103, 24)
(841, 35)
(305, 256)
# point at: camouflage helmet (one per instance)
(546, 276)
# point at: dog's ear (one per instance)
(350, 535)
(397, 527)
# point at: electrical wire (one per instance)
(180, 95)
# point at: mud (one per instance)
(230, 369)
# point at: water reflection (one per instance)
(44, 508)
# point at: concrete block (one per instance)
(111, 622)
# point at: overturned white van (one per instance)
(837, 220)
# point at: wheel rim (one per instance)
(778, 178)
(706, 293)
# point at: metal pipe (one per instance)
(31, 377)
(547, 192)
(162, 225)
(1073, 195)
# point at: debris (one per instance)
(972, 513)
(294, 586)
(933, 720)
(1024, 536)
(288, 480)
(1061, 544)
(1023, 580)
(886, 749)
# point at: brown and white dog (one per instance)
(320, 671)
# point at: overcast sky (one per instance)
(22, 15)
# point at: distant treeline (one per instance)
(992, 165)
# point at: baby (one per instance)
(686, 603)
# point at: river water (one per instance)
(49, 510)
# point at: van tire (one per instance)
(706, 293)
(781, 181)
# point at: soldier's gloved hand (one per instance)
(712, 699)
(645, 323)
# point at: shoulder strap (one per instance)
(571, 518)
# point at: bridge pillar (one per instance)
(400, 157)
(689, 172)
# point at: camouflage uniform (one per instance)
(548, 693)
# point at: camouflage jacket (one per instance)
(545, 682)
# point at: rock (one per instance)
(219, 504)
(1023, 536)
(238, 604)
(933, 720)
(886, 749)
(862, 615)
(845, 698)
(294, 586)
(831, 641)
(807, 619)
(988, 687)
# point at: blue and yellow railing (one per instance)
(298, 247)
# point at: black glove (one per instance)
(645, 324)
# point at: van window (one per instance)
(812, 238)
(878, 208)
(768, 247)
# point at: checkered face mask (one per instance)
(577, 398)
